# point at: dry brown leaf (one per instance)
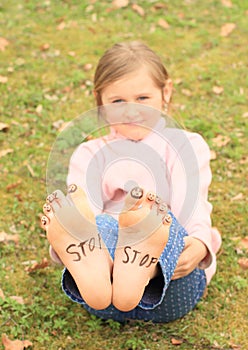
(186, 92)
(175, 341)
(159, 6)
(44, 47)
(227, 3)
(227, 29)
(15, 344)
(4, 237)
(139, 10)
(218, 90)
(213, 155)
(118, 4)
(61, 26)
(163, 24)
(87, 67)
(244, 243)
(3, 43)
(2, 296)
(237, 197)
(19, 300)
(3, 80)
(221, 140)
(38, 266)
(13, 185)
(243, 263)
(4, 127)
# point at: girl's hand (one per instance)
(194, 252)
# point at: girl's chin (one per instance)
(133, 132)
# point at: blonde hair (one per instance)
(124, 58)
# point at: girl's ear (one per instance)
(167, 91)
(95, 93)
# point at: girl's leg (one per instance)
(74, 237)
(143, 233)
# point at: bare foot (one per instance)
(143, 233)
(72, 232)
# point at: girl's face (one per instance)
(129, 100)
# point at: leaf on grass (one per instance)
(2, 296)
(3, 80)
(227, 29)
(44, 47)
(138, 9)
(13, 185)
(243, 263)
(3, 43)
(37, 266)
(87, 67)
(159, 6)
(61, 26)
(227, 3)
(4, 237)
(15, 344)
(243, 244)
(163, 24)
(19, 300)
(4, 127)
(213, 155)
(237, 197)
(221, 140)
(118, 4)
(186, 92)
(175, 341)
(218, 90)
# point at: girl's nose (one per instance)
(132, 111)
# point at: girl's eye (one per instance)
(142, 98)
(118, 101)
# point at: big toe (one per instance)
(79, 199)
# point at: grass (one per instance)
(49, 43)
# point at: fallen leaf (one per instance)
(227, 3)
(44, 47)
(3, 80)
(245, 115)
(213, 155)
(244, 243)
(15, 344)
(2, 296)
(186, 92)
(221, 140)
(87, 67)
(243, 263)
(175, 341)
(72, 53)
(3, 43)
(120, 3)
(38, 266)
(19, 300)
(13, 185)
(218, 90)
(139, 10)
(61, 26)
(39, 109)
(237, 197)
(227, 29)
(4, 152)
(5, 237)
(4, 127)
(163, 24)
(159, 6)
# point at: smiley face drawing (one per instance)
(137, 192)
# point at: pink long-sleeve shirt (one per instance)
(171, 162)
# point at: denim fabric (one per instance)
(164, 300)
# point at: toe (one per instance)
(134, 199)
(47, 210)
(44, 221)
(78, 197)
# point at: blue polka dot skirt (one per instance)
(164, 300)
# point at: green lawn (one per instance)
(43, 79)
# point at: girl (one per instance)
(136, 183)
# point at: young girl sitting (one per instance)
(134, 231)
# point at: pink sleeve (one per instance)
(190, 177)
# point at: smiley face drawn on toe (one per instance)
(72, 188)
(158, 200)
(44, 220)
(151, 196)
(166, 219)
(137, 192)
(47, 207)
(50, 198)
(162, 208)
